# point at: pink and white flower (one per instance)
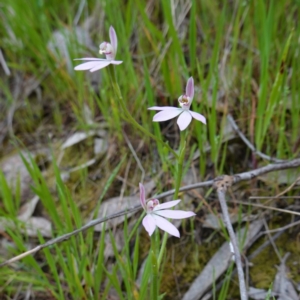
(184, 112)
(156, 212)
(110, 51)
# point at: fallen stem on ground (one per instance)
(237, 254)
(235, 178)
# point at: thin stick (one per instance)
(135, 156)
(289, 188)
(248, 143)
(269, 207)
(237, 254)
(282, 228)
(272, 241)
(235, 179)
(4, 65)
(273, 197)
(66, 236)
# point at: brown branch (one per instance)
(235, 179)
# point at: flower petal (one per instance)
(166, 115)
(184, 120)
(149, 224)
(143, 197)
(100, 65)
(165, 225)
(175, 214)
(198, 117)
(190, 88)
(166, 205)
(116, 62)
(90, 58)
(113, 39)
(88, 65)
(163, 108)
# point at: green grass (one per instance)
(244, 60)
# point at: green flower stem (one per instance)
(180, 163)
(178, 179)
(154, 266)
(127, 113)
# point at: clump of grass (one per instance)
(243, 59)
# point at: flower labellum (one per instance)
(156, 214)
(184, 112)
(110, 51)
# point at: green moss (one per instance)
(263, 271)
(184, 262)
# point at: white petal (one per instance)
(163, 108)
(87, 65)
(175, 214)
(166, 115)
(198, 117)
(90, 58)
(100, 65)
(166, 205)
(116, 62)
(149, 224)
(184, 120)
(165, 225)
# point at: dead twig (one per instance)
(135, 156)
(283, 227)
(65, 237)
(289, 188)
(4, 65)
(248, 143)
(271, 240)
(268, 207)
(235, 179)
(222, 184)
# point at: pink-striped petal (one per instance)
(175, 214)
(116, 62)
(190, 88)
(166, 205)
(149, 223)
(165, 225)
(100, 65)
(198, 117)
(143, 196)
(89, 65)
(163, 108)
(166, 115)
(113, 39)
(184, 120)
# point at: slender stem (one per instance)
(180, 163)
(238, 260)
(128, 115)
(177, 186)
(154, 266)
